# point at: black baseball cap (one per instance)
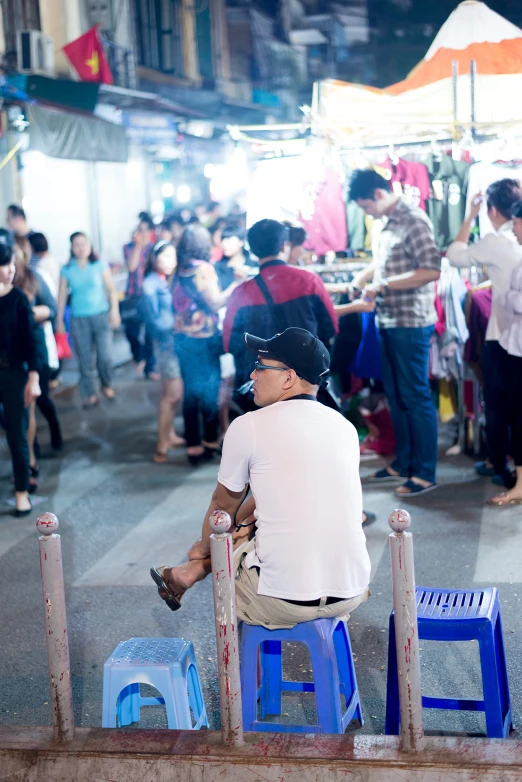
(298, 349)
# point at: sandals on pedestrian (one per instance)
(172, 599)
(504, 500)
(160, 458)
(21, 513)
(109, 394)
(384, 476)
(91, 402)
(368, 518)
(414, 489)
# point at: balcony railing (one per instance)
(121, 63)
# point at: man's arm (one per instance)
(420, 246)
(364, 277)
(222, 499)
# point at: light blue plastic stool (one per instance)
(459, 615)
(334, 675)
(169, 665)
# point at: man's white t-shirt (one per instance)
(302, 462)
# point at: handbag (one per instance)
(130, 308)
(63, 347)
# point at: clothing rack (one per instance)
(323, 268)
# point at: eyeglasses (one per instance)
(260, 367)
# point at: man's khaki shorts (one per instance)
(273, 613)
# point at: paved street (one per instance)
(120, 513)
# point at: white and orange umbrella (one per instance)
(422, 104)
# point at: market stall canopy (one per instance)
(422, 104)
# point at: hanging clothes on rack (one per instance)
(356, 227)
(447, 203)
(451, 331)
(323, 214)
(408, 179)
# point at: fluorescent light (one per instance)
(167, 189)
(184, 194)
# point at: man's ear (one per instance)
(291, 380)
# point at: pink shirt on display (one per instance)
(413, 178)
(323, 214)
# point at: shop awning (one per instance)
(71, 136)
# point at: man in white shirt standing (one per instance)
(501, 254)
(308, 559)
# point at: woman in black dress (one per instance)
(19, 384)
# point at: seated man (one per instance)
(308, 558)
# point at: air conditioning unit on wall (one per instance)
(35, 52)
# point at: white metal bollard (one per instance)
(56, 627)
(406, 631)
(223, 582)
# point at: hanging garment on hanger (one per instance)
(410, 180)
(481, 176)
(356, 226)
(323, 214)
(447, 203)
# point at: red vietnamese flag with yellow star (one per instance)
(87, 57)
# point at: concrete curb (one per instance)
(133, 755)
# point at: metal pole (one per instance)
(455, 151)
(406, 631)
(472, 82)
(223, 582)
(455, 82)
(56, 627)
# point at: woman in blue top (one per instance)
(158, 314)
(95, 311)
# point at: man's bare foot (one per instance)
(140, 367)
(183, 577)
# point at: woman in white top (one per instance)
(511, 347)
(501, 254)
(45, 262)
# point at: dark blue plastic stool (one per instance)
(332, 664)
(459, 615)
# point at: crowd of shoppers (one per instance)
(198, 282)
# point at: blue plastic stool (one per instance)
(169, 665)
(459, 615)
(334, 675)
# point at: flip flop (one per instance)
(172, 600)
(160, 458)
(415, 489)
(370, 518)
(505, 502)
(384, 476)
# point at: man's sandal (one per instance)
(172, 599)
(384, 476)
(160, 458)
(414, 489)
